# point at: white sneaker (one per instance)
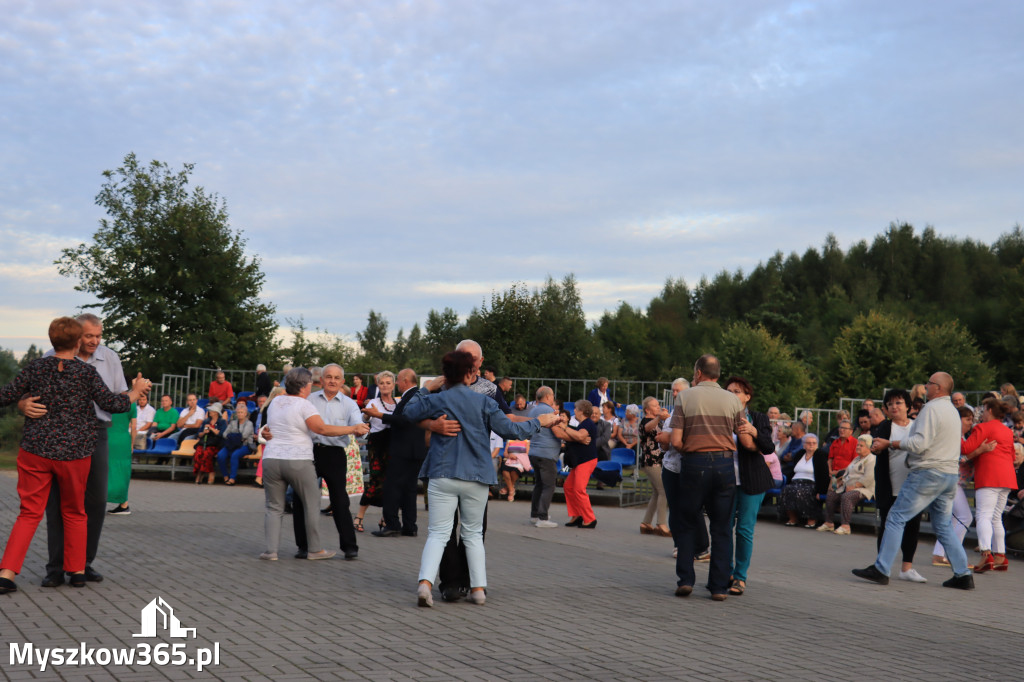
(913, 576)
(546, 523)
(534, 520)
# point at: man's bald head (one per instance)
(939, 384)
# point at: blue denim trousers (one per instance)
(931, 490)
(745, 514)
(709, 481)
(470, 499)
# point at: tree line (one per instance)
(176, 288)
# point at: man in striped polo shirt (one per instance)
(706, 422)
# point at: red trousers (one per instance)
(577, 501)
(35, 477)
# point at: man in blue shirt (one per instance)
(544, 450)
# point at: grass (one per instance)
(8, 459)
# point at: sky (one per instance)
(404, 156)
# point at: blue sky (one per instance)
(404, 156)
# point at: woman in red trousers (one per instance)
(581, 457)
(58, 446)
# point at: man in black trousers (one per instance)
(408, 450)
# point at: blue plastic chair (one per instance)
(620, 411)
(626, 457)
(203, 402)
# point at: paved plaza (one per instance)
(563, 604)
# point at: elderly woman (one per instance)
(209, 443)
(651, 456)
(857, 485)
(994, 477)
(460, 469)
(58, 446)
(378, 444)
(239, 441)
(799, 499)
(754, 478)
(627, 433)
(890, 472)
(288, 460)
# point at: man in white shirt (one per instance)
(191, 419)
(143, 422)
(331, 460)
(933, 447)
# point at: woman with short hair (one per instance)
(799, 498)
(208, 443)
(238, 442)
(994, 477)
(58, 446)
(288, 460)
(378, 447)
(651, 456)
(460, 470)
(856, 485)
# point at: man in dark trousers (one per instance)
(408, 450)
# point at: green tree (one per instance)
(374, 339)
(8, 366)
(768, 363)
(443, 331)
(875, 352)
(174, 284)
(949, 347)
(31, 354)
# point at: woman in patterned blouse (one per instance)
(58, 446)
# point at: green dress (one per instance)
(119, 440)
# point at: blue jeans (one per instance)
(931, 490)
(745, 513)
(235, 456)
(709, 481)
(470, 498)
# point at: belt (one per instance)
(724, 454)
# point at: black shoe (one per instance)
(77, 579)
(873, 574)
(92, 576)
(8, 586)
(124, 511)
(301, 554)
(577, 522)
(351, 554)
(592, 524)
(960, 582)
(409, 533)
(385, 533)
(454, 593)
(328, 511)
(53, 580)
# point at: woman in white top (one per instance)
(799, 498)
(378, 444)
(288, 460)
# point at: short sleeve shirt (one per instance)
(291, 437)
(709, 416)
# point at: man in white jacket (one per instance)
(933, 445)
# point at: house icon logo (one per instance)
(157, 615)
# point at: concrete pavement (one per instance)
(563, 604)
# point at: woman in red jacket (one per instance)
(993, 479)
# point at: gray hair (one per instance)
(333, 364)
(544, 391)
(296, 380)
(647, 401)
(866, 439)
(584, 406)
(632, 409)
(681, 382)
(90, 318)
(384, 375)
(261, 367)
(316, 372)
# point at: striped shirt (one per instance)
(708, 416)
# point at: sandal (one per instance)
(737, 587)
(357, 523)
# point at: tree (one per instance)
(8, 366)
(174, 284)
(374, 339)
(31, 354)
(875, 352)
(443, 332)
(768, 363)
